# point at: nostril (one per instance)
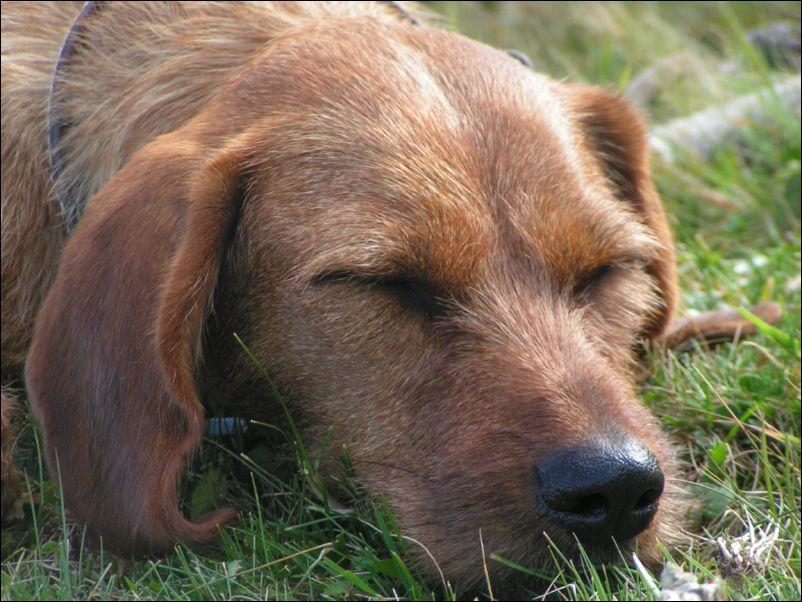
(647, 500)
(585, 506)
(572, 507)
(589, 506)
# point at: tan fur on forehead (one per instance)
(437, 166)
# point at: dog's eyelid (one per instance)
(630, 263)
(591, 279)
(333, 276)
(413, 291)
(365, 277)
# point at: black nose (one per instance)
(598, 493)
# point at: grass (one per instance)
(734, 410)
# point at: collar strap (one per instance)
(56, 127)
(403, 12)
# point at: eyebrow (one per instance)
(587, 235)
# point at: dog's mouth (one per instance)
(574, 548)
(533, 566)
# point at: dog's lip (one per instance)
(610, 552)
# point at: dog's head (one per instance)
(446, 262)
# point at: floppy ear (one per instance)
(111, 369)
(617, 136)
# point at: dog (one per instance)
(446, 261)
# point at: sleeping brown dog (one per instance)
(446, 261)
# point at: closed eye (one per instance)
(586, 283)
(594, 280)
(412, 293)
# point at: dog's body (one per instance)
(445, 260)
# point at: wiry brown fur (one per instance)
(276, 170)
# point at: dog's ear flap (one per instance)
(111, 368)
(615, 133)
